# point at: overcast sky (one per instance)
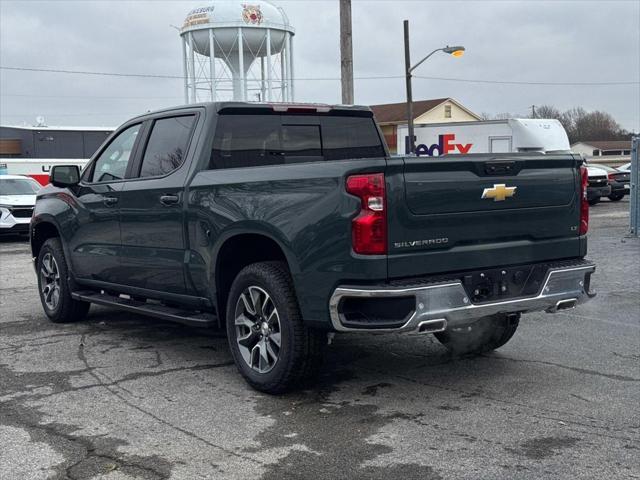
(540, 41)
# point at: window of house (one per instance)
(447, 111)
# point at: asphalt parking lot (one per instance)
(121, 396)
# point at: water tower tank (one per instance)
(239, 51)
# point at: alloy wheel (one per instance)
(258, 333)
(50, 281)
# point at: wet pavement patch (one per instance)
(544, 447)
(328, 438)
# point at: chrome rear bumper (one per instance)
(442, 305)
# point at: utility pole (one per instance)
(407, 70)
(346, 52)
(533, 111)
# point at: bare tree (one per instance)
(548, 111)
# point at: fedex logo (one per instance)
(444, 146)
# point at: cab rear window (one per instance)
(259, 140)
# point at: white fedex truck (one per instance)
(490, 136)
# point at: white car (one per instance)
(17, 199)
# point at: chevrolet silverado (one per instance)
(283, 223)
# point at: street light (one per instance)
(456, 51)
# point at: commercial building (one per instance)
(51, 142)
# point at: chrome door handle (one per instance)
(169, 199)
(109, 201)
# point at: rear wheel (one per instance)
(483, 335)
(616, 197)
(272, 348)
(55, 285)
(593, 201)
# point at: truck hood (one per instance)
(22, 200)
(596, 172)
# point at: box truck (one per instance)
(490, 136)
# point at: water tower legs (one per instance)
(268, 65)
(192, 62)
(185, 70)
(290, 58)
(212, 65)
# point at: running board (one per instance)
(172, 314)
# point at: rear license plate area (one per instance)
(504, 283)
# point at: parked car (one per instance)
(619, 181)
(598, 184)
(17, 199)
(287, 223)
(625, 168)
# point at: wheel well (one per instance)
(40, 234)
(236, 253)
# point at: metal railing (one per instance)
(634, 194)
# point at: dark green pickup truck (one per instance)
(282, 223)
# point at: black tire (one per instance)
(594, 201)
(616, 197)
(65, 309)
(301, 349)
(483, 335)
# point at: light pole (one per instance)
(456, 51)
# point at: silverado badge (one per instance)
(499, 192)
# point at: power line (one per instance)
(516, 82)
(172, 77)
(372, 77)
(105, 97)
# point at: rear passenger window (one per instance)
(167, 145)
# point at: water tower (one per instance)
(238, 51)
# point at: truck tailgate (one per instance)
(467, 212)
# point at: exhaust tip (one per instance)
(432, 326)
(567, 304)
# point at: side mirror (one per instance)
(65, 175)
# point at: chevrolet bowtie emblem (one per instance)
(499, 192)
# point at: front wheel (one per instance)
(594, 201)
(55, 285)
(616, 197)
(483, 335)
(272, 348)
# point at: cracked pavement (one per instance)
(121, 396)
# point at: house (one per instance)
(603, 148)
(438, 110)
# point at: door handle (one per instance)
(169, 199)
(109, 201)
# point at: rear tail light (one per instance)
(369, 228)
(584, 204)
(612, 177)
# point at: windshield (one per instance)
(18, 186)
